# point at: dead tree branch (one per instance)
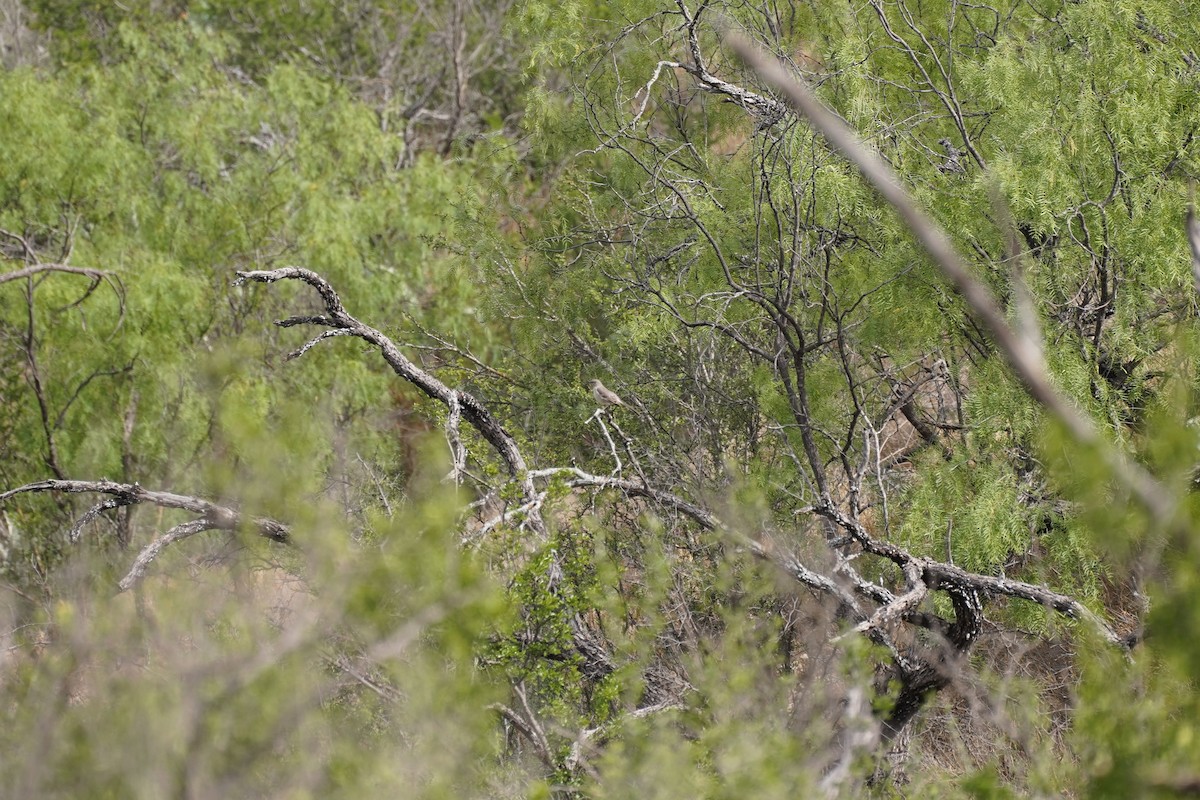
(36, 269)
(212, 515)
(473, 411)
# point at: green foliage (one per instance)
(200, 691)
(507, 193)
(169, 174)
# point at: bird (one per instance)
(953, 154)
(604, 396)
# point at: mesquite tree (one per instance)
(900, 305)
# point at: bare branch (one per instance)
(528, 732)
(898, 608)
(589, 738)
(219, 517)
(458, 452)
(935, 573)
(476, 414)
(770, 110)
(577, 478)
(313, 342)
(152, 550)
(91, 514)
(921, 572)
(36, 269)
(599, 417)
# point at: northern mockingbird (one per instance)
(604, 396)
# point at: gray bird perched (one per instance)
(953, 154)
(604, 396)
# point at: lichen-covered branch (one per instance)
(473, 411)
(212, 515)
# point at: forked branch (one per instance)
(342, 323)
(212, 515)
